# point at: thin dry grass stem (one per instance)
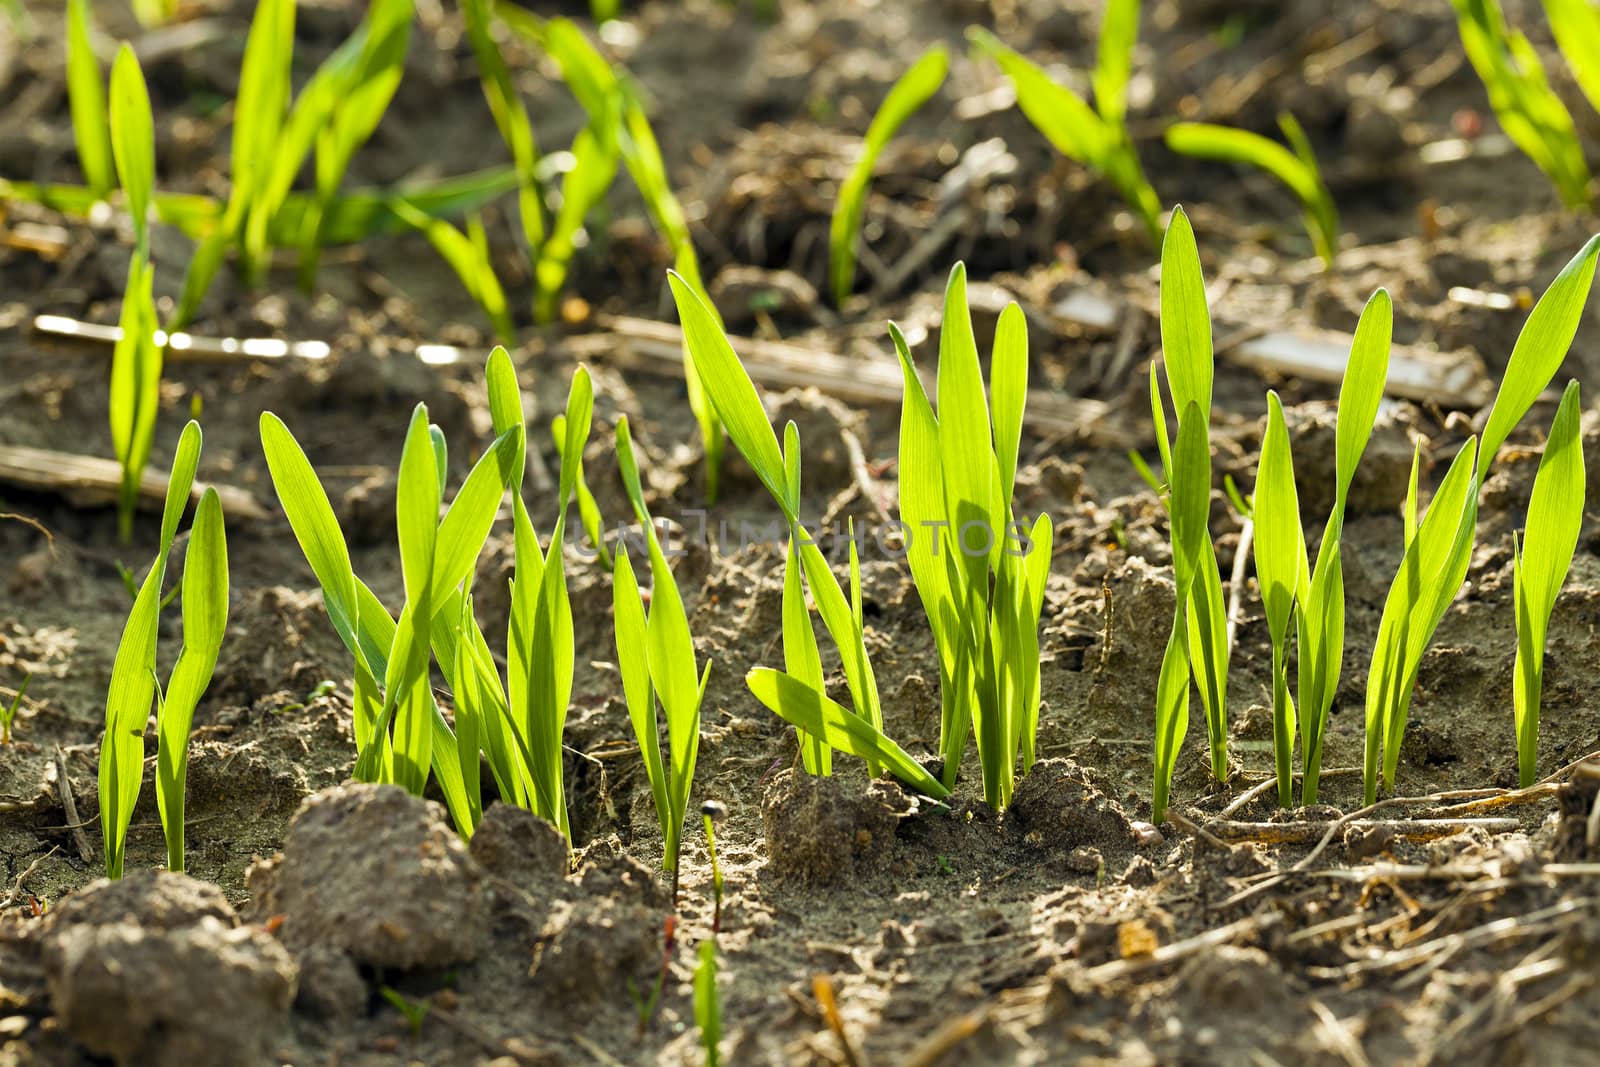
(1187, 826)
(1338, 1035)
(1266, 785)
(1236, 581)
(29, 520)
(1436, 952)
(93, 480)
(69, 805)
(1276, 833)
(1587, 766)
(822, 989)
(22, 879)
(933, 1049)
(1179, 950)
(1276, 878)
(657, 347)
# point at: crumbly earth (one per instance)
(1065, 930)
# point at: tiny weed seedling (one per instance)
(8, 716)
(1198, 644)
(1576, 25)
(713, 811)
(1095, 136)
(1541, 559)
(1296, 169)
(1531, 113)
(415, 1011)
(134, 684)
(914, 89)
(707, 1007)
(1439, 548)
(644, 1007)
(655, 655)
(983, 596)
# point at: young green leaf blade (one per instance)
(806, 707)
(1555, 517)
(909, 93)
(205, 622)
(1277, 515)
(633, 664)
(1280, 558)
(1008, 389)
(133, 139)
(1185, 318)
(87, 96)
(1190, 478)
(305, 504)
(128, 703)
(466, 524)
(1362, 389)
(1119, 32)
(1576, 26)
(707, 1009)
(1541, 346)
(469, 264)
(1057, 112)
(731, 391)
(966, 449)
(1203, 140)
(135, 390)
(1405, 625)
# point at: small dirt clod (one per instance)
(379, 873)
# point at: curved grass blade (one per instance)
(471, 264)
(1296, 169)
(1074, 128)
(732, 392)
(909, 93)
(801, 705)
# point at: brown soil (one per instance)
(1067, 930)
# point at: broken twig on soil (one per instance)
(92, 480)
(1178, 950)
(657, 347)
(69, 805)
